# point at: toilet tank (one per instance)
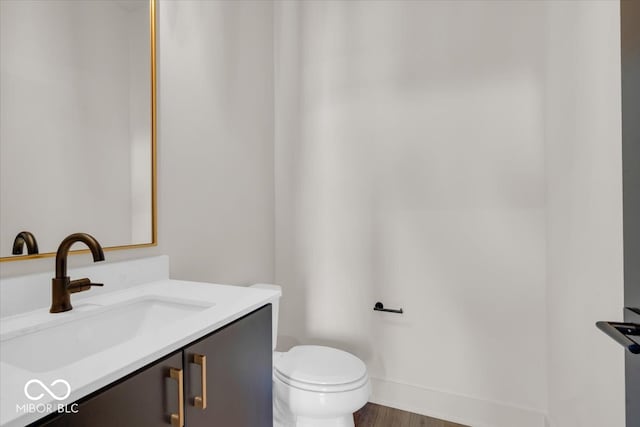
(275, 305)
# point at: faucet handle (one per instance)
(80, 285)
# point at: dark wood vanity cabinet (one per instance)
(223, 379)
(143, 399)
(238, 375)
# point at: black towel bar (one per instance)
(380, 307)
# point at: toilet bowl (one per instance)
(316, 386)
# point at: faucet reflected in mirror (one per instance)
(62, 286)
(25, 238)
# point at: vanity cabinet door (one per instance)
(237, 375)
(146, 398)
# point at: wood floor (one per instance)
(373, 415)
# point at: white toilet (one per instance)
(316, 386)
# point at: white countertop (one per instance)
(224, 304)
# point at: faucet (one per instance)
(25, 238)
(62, 286)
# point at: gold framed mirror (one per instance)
(78, 123)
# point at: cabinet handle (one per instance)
(201, 401)
(177, 420)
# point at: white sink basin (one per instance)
(90, 330)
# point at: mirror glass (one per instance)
(76, 121)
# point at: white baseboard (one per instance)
(452, 407)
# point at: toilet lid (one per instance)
(319, 366)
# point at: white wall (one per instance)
(216, 127)
(410, 170)
(584, 213)
(215, 144)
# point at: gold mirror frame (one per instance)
(154, 185)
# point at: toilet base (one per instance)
(345, 421)
(282, 417)
(293, 407)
